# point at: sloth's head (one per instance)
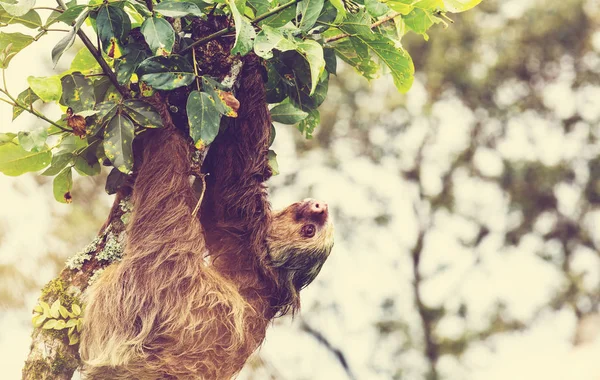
(300, 240)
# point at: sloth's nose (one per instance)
(316, 207)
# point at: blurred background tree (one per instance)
(466, 212)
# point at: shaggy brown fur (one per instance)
(192, 300)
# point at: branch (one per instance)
(325, 342)
(98, 56)
(373, 26)
(223, 31)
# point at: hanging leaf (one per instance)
(178, 9)
(396, 59)
(33, 141)
(300, 95)
(355, 53)
(114, 181)
(159, 35)
(106, 111)
(401, 6)
(225, 102)
(61, 187)
(77, 92)
(71, 14)
(330, 60)
(203, 117)
(17, 8)
(419, 21)
(18, 41)
(166, 73)
(142, 113)
(279, 19)
(244, 31)
(270, 38)
(59, 162)
(30, 19)
(49, 89)
(310, 123)
(312, 52)
(87, 168)
(112, 25)
(287, 113)
(84, 62)
(118, 138)
(25, 98)
(66, 42)
(272, 157)
(133, 55)
(310, 11)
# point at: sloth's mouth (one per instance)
(312, 210)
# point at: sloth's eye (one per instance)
(308, 230)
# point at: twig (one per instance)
(223, 31)
(373, 26)
(197, 208)
(98, 56)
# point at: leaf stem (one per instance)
(373, 26)
(49, 9)
(223, 31)
(32, 111)
(98, 56)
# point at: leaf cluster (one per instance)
(144, 47)
(58, 317)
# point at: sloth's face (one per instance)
(301, 239)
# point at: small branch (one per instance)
(32, 111)
(49, 9)
(98, 56)
(373, 26)
(223, 31)
(325, 342)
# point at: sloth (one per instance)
(194, 294)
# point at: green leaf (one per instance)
(19, 42)
(456, 6)
(71, 322)
(76, 309)
(403, 7)
(287, 113)
(312, 52)
(396, 59)
(17, 8)
(14, 160)
(73, 339)
(46, 309)
(66, 42)
(118, 138)
(142, 113)
(71, 14)
(203, 117)
(38, 320)
(61, 187)
(272, 157)
(59, 162)
(60, 324)
(178, 9)
(419, 21)
(87, 168)
(356, 53)
(114, 181)
(244, 31)
(159, 35)
(33, 141)
(112, 25)
(299, 95)
(84, 61)
(375, 8)
(166, 73)
(6, 138)
(78, 92)
(225, 102)
(310, 11)
(280, 18)
(50, 324)
(330, 60)
(308, 125)
(341, 9)
(49, 89)
(133, 55)
(63, 311)
(30, 19)
(25, 98)
(106, 111)
(54, 308)
(270, 38)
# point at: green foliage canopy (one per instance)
(103, 91)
